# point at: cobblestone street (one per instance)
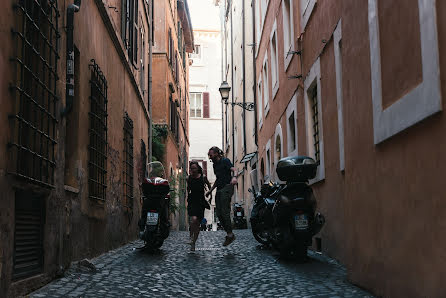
(241, 270)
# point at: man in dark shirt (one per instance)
(226, 179)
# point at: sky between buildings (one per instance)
(202, 13)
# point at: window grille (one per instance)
(33, 120)
(97, 164)
(128, 162)
(315, 119)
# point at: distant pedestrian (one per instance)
(203, 224)
(196, 201)
(226, 179)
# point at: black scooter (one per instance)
(284, 215)
(154, 223)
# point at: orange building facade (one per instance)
(173, 42)
(358, 86)
(75, 133)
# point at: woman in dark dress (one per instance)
(196, 202)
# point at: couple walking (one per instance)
(226, 179)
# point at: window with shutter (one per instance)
(205, 104)
(205, 167)
(135, 32)
(169, 52)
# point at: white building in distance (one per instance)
(204, 80)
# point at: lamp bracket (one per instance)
(249, 106)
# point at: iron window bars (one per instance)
(97, 163)
(33, 120)
(315, 118)
(128, 162)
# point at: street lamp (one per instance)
(224, 91)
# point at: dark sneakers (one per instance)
(228, 240)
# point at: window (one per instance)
(306, 8)
(288, 31)
(170, 47)
(196, 105)
(128, 163)
(292, 127)
(142, 60)
(314, 123)
(313, 112)
(337, 38)
(422, 101)
(278, 150)
(268, 160)
(196, 55)
(134, 35)
(291, 115)
(34, 119)
(258, 16)
(265, 87)
(97, 149)
(129, 28)
(260, 104)
(274, 62)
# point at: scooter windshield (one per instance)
(156, 169)
(254, 180)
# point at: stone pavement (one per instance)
(243, 269)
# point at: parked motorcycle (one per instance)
(239, 217)
(284, 215)
(154, 223)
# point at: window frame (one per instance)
(305, 12)
(337, 39)
(288, 31)
(274, 52)
(194, 106)
(425, 99)
(128, 163)
(260, 102)
(292, 109)
(265, 85)
(313, 79)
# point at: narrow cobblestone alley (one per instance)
(241, 270)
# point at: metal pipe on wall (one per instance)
(69, 93)
(233, 86)
(244, 77)
(254, 68)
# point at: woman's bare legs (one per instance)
(195, 230)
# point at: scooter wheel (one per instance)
(259, 237)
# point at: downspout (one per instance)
(69, 85)
(244, 78)
(254, 49)
(232, 93)
(223, 62)
(150, 83)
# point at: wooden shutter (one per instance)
(135, 31)
(205, 104)
(205, 167)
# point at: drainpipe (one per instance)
(254, 49)
(244, 78)
(72, 8)
(150, 84)
(233, 86)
